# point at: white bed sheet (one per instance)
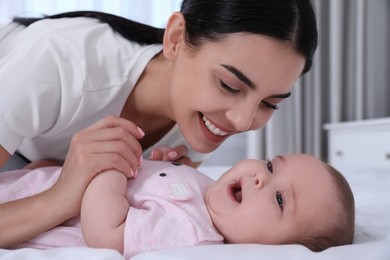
(371, 187)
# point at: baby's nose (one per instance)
(257, 181)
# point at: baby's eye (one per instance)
(279, 199)
(227, 88)
(270, 167)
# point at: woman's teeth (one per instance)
(213, 129)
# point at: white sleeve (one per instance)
(31, 79)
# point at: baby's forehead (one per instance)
(316, 201)
(311, 181)
(303, 163)
(301, 158)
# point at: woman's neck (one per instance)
(149, 103)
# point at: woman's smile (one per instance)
(212, 132)
(215, 130)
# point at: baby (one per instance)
(294, 199)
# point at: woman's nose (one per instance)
(241, 117)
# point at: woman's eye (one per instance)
(270, 167)
(269, 105)
(279, 199)
(227, 88)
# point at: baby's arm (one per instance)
(104, 210)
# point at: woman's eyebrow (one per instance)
(241, 76)
(285, 95)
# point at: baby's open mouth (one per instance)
(236, 192)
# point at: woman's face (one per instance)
(230, 86)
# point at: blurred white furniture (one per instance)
(359, 143)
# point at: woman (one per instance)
(222, 68)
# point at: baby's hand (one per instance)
(175, 154)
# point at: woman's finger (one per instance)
(107, 135)
(108, 140)
(114, 122)
(84, 167)
(131, 154)
(101, 162)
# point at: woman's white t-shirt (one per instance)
(60, 76)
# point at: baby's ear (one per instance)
(174, 36)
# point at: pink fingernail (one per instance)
(141, 131)
(141, 159)
(172, 154)
(135, 173)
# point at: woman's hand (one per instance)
(111, 143)
(175, 154)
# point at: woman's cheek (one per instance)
(261, 119)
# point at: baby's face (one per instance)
(272, 202)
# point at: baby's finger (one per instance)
(178, 152)
(157, 155)
(185, 160)
(163, 154)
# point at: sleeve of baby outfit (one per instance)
(22, 183)
(31, 78)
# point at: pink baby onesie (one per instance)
(167, 208)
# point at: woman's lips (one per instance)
(211, 132)
(213, 129)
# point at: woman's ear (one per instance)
(174, 36)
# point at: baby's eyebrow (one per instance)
(280, 157)
(292, 202)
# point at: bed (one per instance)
(361, 150)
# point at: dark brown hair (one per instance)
(291, 21)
